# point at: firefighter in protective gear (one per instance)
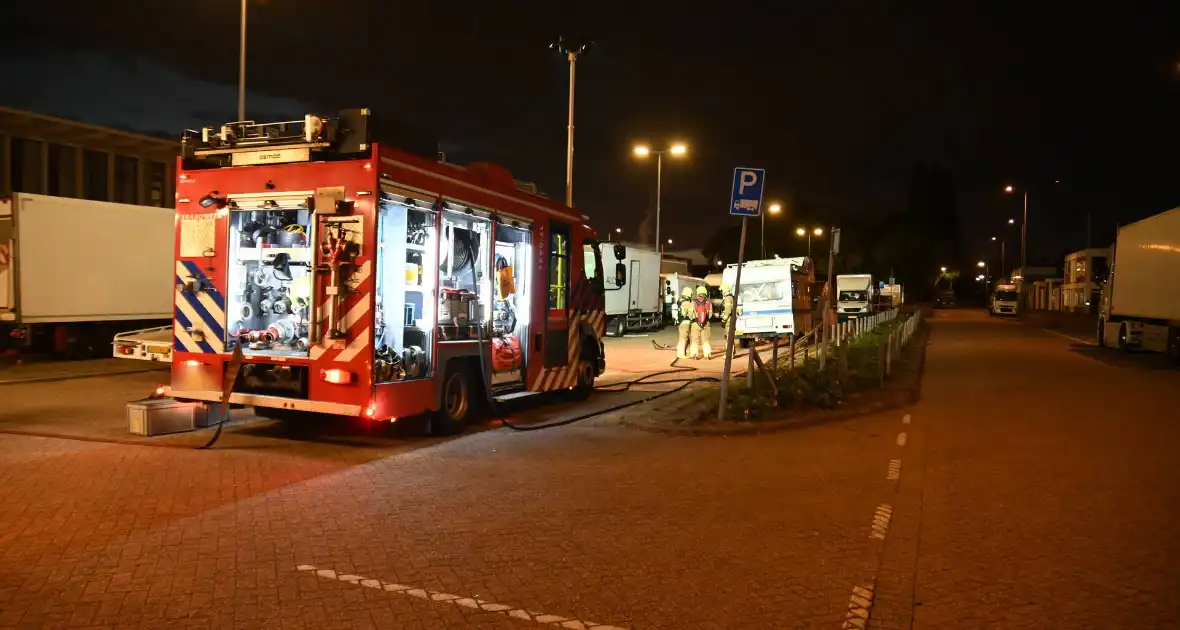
(726, 307)
(702, 310)
(686, 317)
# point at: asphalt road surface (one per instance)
(1035, 485)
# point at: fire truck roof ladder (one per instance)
(346, 135)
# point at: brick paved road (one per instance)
(1040, 487)
(582, 524)
(1037, 487)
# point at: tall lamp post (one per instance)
(676, 150)
(1023, 228)
(242, 66)
(571, 50)
(774, 208)
(806, 232)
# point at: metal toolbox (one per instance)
(163, 416)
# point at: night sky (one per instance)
(838, 100)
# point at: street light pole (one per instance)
(1023, 236)
(659, 193)
(569, 139)
(571, 52)
(242, 66)
(643, 150)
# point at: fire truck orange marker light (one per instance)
(336, 376)
(370, 411)
(192, 363)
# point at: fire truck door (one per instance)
(557, 314)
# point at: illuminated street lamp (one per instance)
(678, 149)
(943, 269)
(808, 233)
(774, 208)
(987, 274)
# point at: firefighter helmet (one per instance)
(702, 291)
(686, 293)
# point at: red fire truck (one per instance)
(360, 280)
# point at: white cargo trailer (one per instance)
(637, 305)
(75, 272)
(1140, 306)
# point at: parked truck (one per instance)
(75, 272)
(854, 296)
(673, 285)
(1140, 304)
(637, 304)
(891, 296)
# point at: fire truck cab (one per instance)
(360, 280)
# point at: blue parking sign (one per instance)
(746, 200)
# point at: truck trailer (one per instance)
(75, 272)
(1140, 304)
(336, 275)
(637, 304)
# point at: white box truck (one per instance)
(75, 272)
(637, 305)
(1140, 306)
(854, 296)
(767, 296)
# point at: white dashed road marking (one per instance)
(905, 419)
(901, 438)
(457, 600)
(894, 472)
(881, 520)
(858, 607)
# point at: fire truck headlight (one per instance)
(336, 376)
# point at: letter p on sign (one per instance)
(749, 178)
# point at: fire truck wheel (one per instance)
(457, 405)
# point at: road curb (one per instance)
(71, 377)
(876, 402)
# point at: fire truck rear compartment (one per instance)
(288, 381)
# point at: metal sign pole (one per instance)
(737, 284)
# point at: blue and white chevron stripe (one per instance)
(204, 310)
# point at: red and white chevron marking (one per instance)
(566, 376)
(356, 321)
